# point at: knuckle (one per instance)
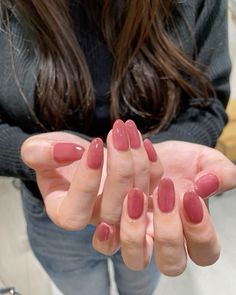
(143, 168)
(131, 242)
(88, 189)
(157, 173)
(204, 240)
(122, 171)
(111, 218)
(71, 223)
(173, 241)
(169, 260)
(173, 270)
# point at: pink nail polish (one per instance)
(64, 152)
(133, 134)
(95, 154)
(166, 195)
(120, 136)
(135, 203)
(103, 232)
(207, 185)
(193, 207)
(151, 152)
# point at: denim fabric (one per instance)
(71, 262)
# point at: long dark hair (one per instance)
(146, 78)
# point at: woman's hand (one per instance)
(130, 163)
(76, 187)
(180, 224)
(177, 228)
(196, 167)
(68, 176)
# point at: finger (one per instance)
(202, 241)
(170, 254)
(120, 173)
(216, 174)
(136, 246)
(156, 168)
(106, 239)
(43, 153)
(139, 156)
(73, 209)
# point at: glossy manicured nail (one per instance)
(207, 185)
(135, 203)
(151, 152)
(120, 136)
(133, 134)
(95, 154)
(67, 152)
(103, 232)
(193, 207)
(166, 195)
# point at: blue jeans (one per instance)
(71, 262)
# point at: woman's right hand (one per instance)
(68, 172)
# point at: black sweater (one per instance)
(207, 20)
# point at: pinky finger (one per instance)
(106, 238)
(156, 168)
(202, 240)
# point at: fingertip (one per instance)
(95, 154)
(135, 203)
(34, 152)
(166, 195)
(151, 152)
(64, 152)
(106, 239)
(193, 207)
(133, 134)
(207, 185)
(103, 232)
(120, 136)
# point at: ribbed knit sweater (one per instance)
(207, 21)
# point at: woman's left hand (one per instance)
(180, 224)
(176, 228)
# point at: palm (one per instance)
(184, 162)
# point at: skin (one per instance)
(65, 190)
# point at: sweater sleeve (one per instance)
(11, 139)
(204, 125)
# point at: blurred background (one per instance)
(19, 268)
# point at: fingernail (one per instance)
(166, 195)
(103, 232)
(151, 152)
(66, 152)
(193, 207)
(207, 185)
(133, 134)
(120, 136)
(95, 154)
(135, 203)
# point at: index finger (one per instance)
(52, 150)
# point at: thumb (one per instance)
(217, 174)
